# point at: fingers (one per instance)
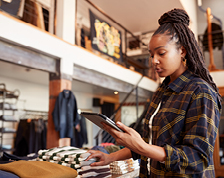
(102, 158)
(109, 129)
(100, 163)
(94, 154)
(122, 126)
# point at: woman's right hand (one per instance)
(103, 158)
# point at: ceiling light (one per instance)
(116, 92)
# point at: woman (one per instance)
(185, 126)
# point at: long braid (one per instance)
(175, 23)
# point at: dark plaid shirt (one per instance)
(186, 125)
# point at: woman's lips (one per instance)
(158, 70)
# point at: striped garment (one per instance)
(67, 156)
(186, 125)
(94, 171)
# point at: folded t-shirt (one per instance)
(5, 174)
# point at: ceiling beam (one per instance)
(102, 80)
(24, 56)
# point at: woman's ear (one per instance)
(183, 51)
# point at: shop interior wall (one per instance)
(33, 96)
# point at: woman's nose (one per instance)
(155, 61)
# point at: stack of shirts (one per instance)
(67, 156)
(123, 167)
(94, 172)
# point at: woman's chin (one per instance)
(161, 74)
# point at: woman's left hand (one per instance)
(130, 138)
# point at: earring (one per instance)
(184, 61)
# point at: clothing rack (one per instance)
(34, 114)
(31, 132)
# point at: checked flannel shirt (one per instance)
(186, 125)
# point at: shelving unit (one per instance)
(8, 100)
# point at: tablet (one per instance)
(97, 118)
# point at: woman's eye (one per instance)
(161, 54)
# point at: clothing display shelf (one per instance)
(8, 100)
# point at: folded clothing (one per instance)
(5, 174)
(61, 151)
(123, 167)
(10, 157)
(67, 156)
(95, 171)
(7, 106)
(4, 105)
(112, 148)
(36, 169)
(100, 148)
(104, 175)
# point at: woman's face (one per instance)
(166, 58)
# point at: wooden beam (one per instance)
(101, 80)
(210, 45)
(25, 56)
(39, 15)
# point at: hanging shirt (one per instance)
(65, 115)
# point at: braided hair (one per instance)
(175, 23)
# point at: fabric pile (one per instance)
(94, 172)
(67, 156)
(123, 167)
(25, 169)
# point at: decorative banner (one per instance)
(105, 38)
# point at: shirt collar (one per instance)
(179, 83)
(66, 93)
